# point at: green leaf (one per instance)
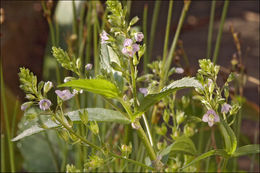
(229, 137)
(151, 99)
(182, 144)
(219, 152)
(94, 114)
(247, 149)
(97, 86)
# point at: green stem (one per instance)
(48, 16)
(14, 118)
(211, 22)
(133, 72)
(6, 121)
(225, 161)
(145, 38)
(146, 142)
(174, 43)
(88, 43)
(57, 34)
(167, 31)
(153, 28)
(99, 148)
(2, 152)
(95, 36)
(222, 21)
(147, 129)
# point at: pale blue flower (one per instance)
(104, 37)
(64, 95)
(88, 67)
(44, 104)
(139, 36)
(144, 91)
(211, 117)
(179, 70)
(225, 108)
(129, 48)
(128, 42)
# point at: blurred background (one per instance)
(25, 41)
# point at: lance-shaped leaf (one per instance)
(94, 114)
(97, 86)
(151, 99)
(182, 144)
(219, 152)
(247, 149)
(229, 137)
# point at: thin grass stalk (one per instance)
(167, 31)
(211, 23)
(57, 32)
(14, 117)
(153, 28)
(6, 121)
(2, 152)
(95, 41)
(75, 26)
(89, 32)
(128, 6)
(220, 31)
(174, 43)
(81, 39)
(145, 61)
(47, 13)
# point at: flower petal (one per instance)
(205, 118)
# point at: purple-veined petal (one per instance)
(44, 104)
(64, 95)
(128, 42)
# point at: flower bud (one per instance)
(175, 133)
(30, 96)
(88, 67)
(94, 127)
(180, 117)
(166, 116)
(126, 150)
(84, 116)
(67, 79)
(188, 130)
(26, 105)
(47, 86)
(78, 63)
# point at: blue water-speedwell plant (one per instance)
(168, 145)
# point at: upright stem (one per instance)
(222, 21)
(2, 152)
(211, 22)
(174, 43)
(167, 31)
(53, 41)
(146, 142)
(145, 37)
(99, 148)
(6, 120)
(153, 28)
(133, 70)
